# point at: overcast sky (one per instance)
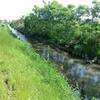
(12, 9)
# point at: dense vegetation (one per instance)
(26, 76)
(75, 28)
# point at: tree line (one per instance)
(77, 29)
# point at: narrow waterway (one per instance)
(84, 77)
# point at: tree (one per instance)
(95, 10)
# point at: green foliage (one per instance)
(18, 24)
(75, 28)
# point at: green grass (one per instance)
(24, 75)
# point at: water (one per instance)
(17, 34)
(84, 77)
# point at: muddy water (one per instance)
(84, 77)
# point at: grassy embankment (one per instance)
(26, 76)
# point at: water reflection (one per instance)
(17, 34)
(80, 75)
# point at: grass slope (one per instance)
(26, 76)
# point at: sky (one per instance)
(14, 9)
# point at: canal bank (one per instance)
(84, 77)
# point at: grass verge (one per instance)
(24, 75)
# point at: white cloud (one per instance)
(12, 9)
